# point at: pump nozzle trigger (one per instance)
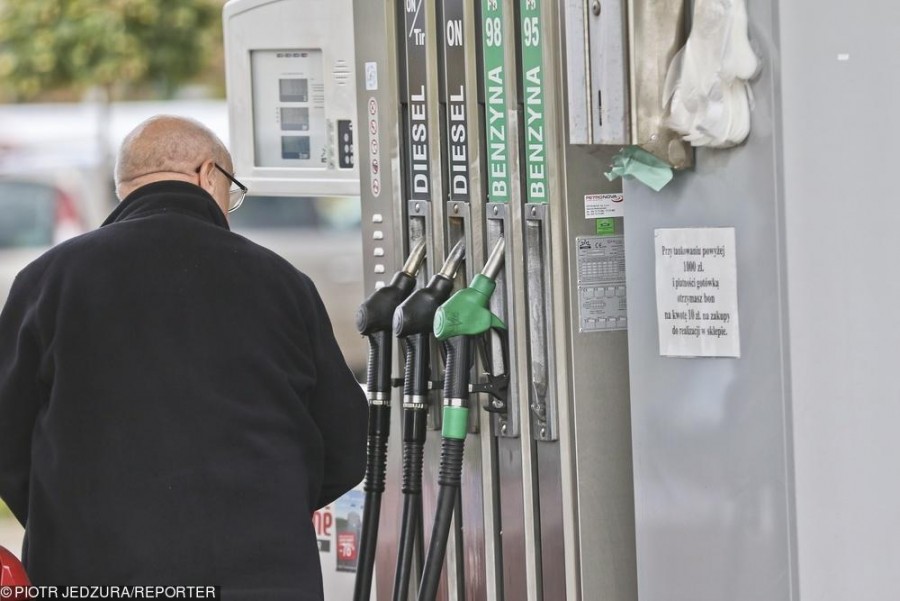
(498, 388)
(497, 385)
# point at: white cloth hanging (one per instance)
(707, 92)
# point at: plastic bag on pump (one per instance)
(706, 90)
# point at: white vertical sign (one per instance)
(696, 292)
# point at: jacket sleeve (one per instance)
(20, 394)
(339, 407)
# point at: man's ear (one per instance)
(206, 176)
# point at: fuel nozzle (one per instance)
(376, 312)
(375, 315)
(413, 321)
(467, 313)
(373, 320)
(415, 315)
(459, 322)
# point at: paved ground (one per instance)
(11, 535)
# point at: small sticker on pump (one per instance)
(601, 206)
(371, 76)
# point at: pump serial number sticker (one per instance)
(602, 301)
(599, 206)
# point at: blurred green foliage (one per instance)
(4, 510)
(117, 45)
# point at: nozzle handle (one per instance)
(378, 383)
(416, 373)
(456, 371)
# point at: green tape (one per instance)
(456, 422)
(606, 227)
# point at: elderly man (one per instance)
(173, 404)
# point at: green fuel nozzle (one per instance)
(467, 313)
(458, 323)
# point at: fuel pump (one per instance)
(458, 323)
(476, 105)
(413, 321)
(373, 320)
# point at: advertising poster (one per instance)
(348, 511)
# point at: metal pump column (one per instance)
(516, 554)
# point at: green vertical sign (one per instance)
(495, 120)
(535, 142)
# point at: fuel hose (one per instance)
(413, 321)
(458, 323)
(374, 320)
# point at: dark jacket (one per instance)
(173, 406)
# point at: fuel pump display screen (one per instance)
(295, 119)
(295, 147)
(293, 90)
(289, 98)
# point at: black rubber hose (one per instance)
(374, 319)
(413, 322)
(414, 431)
(456, 386)
(376, 462)
(411, 531)
(449, 480)
(412, 518)
(363, 584)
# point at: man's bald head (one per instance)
(163, 147)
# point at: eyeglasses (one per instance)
(235, 197)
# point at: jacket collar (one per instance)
(172, 195)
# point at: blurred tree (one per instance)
(116, 45)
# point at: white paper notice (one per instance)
(599, 206)
(696, 292)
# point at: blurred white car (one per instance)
(34, 215)
(322, 238)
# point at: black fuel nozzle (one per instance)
(373, 320)
(415, 315)
(414, 319)
(413, 322)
